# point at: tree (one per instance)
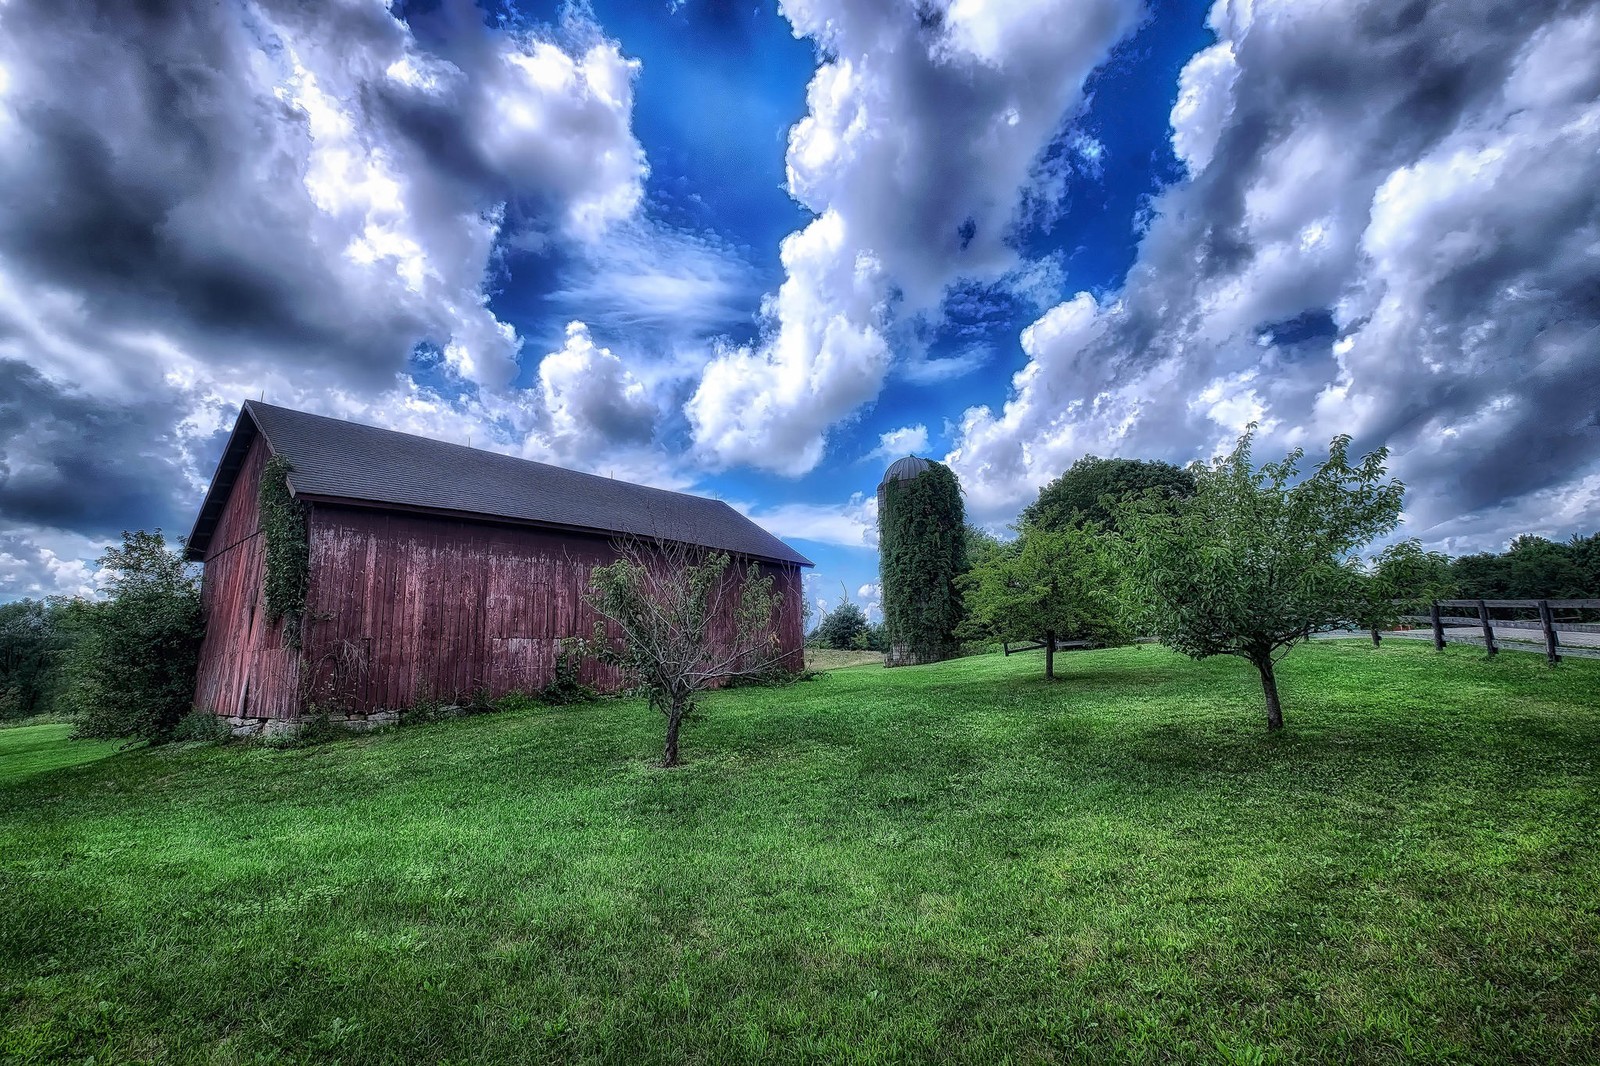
(680, 622)
(873, 638)
(1093, 488)
(1400, 580)
(1052, 584)
(1257, 559)
(131, 669)
(840, 627)
(32, 645)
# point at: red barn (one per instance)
(435, 571)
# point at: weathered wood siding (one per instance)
(410, 606)
(245, 669)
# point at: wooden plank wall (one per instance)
(405, 607)
(245, 669)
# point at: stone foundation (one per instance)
(268, 728)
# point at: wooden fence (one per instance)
(1550, 617)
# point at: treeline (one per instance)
(1532, 569)
(120, 667)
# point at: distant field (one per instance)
(960, 863)
(829, 659)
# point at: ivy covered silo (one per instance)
(922, 549)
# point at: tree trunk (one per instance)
(669, 757)
(1269, 686)
(1050, 654)
(1377, 639)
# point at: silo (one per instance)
(921, 552)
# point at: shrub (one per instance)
(130, 673)
(518, 701)
(565, 685)
(200, 726)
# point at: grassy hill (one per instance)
(958, 862)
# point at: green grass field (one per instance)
(955, 863)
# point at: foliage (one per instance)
(1052, 584)
(680, 622)
(565, 685)
(922, 550)
(1533, 568)
(1093, 490)
(288, 548)
(34, 638)
(840, 627)
(1400, 580)
(514, 702)
(871, 637)
(130, 673)
(200, 725)
(1257, 559)
(1141, 876)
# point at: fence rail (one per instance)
(1483, 619)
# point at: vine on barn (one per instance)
(288, 548)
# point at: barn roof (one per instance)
(345, 461)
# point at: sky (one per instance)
(758, 250)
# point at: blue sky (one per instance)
(758, 250)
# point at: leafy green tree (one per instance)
(33, 643)
(1054, 584)
(873, 638)
(1481, 577)
(681, 621)
(131, 669)
(1532, 568)
(840, 627)
(1257, 559)
(1400, 580)
(1093, 489)
(1585, 553)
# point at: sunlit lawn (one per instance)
(954, 863)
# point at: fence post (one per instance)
(1488, 630)
(1438, 626)
(1550, 641)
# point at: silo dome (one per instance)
(904, 469)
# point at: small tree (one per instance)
(681, 622)
(1256, 560)
(131, 669)
(841, 627)
(1052, 584)
(1400, 580)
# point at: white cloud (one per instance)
(590, 396)
(643, 279)
(289, 199)
(907, 440)
(1423, 186)
(851, 525)
(917, 152)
